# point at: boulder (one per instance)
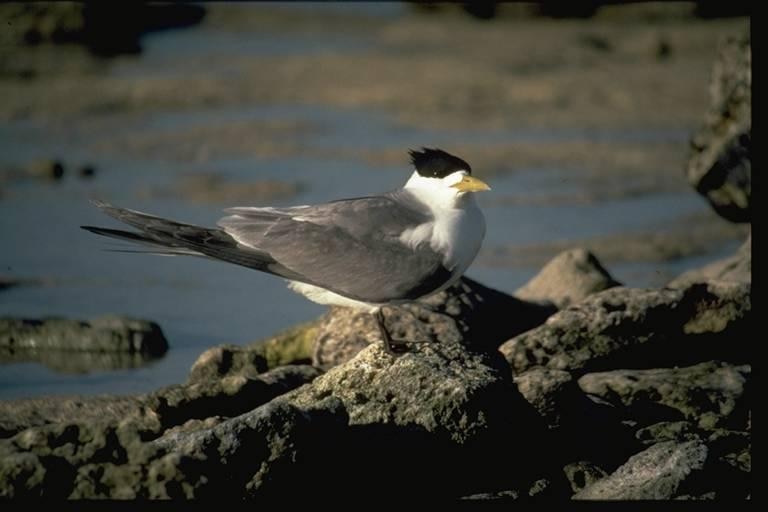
(17, 415)
(661, 472)
(720, 164)
(160, 410)
(467, 312)
(640, 328)
(291, 346)
(103, 334)
(712, 394)
(733, 269)
(567, 279)
(271, 451)
(453, 410)
(583, 429)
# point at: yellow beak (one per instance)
(471, 184)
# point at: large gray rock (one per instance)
(291, 346)
(567, 279)
(453, 409)
(374, 422)
(268, 451)
(252, 454)
(53, 460)
(733, 269)
(103, 334)
(155, 412)
(657, 473)
(583, 429)
(712, 394)
(230, 396)
(551, 392)
(679, 431)
(640, 328)
(467, 313)
(720, 164)
(17, 415)
(227, 360)
(444, 389)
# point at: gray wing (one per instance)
(351, 246)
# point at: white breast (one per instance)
(457, 232)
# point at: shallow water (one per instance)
(200, 303)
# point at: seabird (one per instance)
(365, 252)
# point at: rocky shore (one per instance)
(574, 387)
(621, 394)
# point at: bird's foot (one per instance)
(395, 348)
(391, 346)
(400, 347)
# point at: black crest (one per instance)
(436, 163)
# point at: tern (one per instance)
(365, 253)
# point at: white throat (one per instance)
(458, 227)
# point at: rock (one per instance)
(87, 455)
(227, 360)
(567, 279)
(229, 396)
(106, 32)
(679, 431)
(156, 412)
(17, 415)
(712, 394)
(719, 166)
(52, 170)
(452, 408)
(467, 312)
(510, 495)
(733, 269)
(32, 24)
(733, 448)
(442, 388)
(342, 333)
(51, 461)
(640, 328)
(658, 473)
(582, 428)
(542, 488)
(582, 474)
(86, 172)
(265, 452)
(104, 334)
(730, 449)
(9, 282)
(551, 392)
(289, 347)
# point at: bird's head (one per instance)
(442, 175)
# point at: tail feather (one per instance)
(168, 237)
(132, 236)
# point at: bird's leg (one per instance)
(385, 337)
